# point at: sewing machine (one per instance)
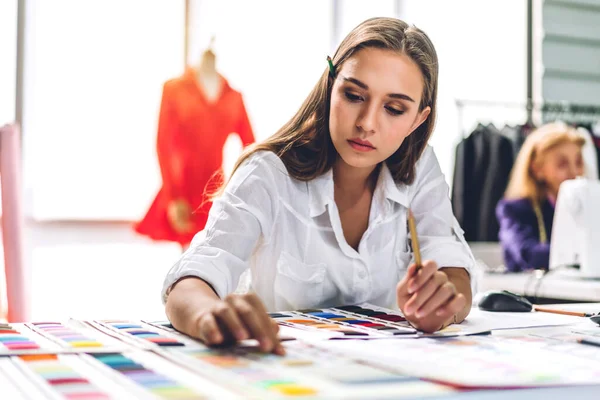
(576, 228)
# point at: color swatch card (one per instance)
(57, 376)
(480, 361)
(305, 371)
(144, 335)
(144, 372)
(54, 337)
(17, 338)
(347, 322)
(135, 374)
(76, 336)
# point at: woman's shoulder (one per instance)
(263, 164)
(427, 168)
(263, 161)
(427, 156)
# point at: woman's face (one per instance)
(559, 164)
(374, 106)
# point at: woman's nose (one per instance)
(367, 121)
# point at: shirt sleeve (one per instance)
(441, 238)
(237, 220)
(520, 238)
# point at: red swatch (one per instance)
(65, 381)
(162, 340)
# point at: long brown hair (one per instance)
(522, 183)
(304, 143)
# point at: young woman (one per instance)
(318, 212)
(549, 156)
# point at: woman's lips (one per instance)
(361, 145)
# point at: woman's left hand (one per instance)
(427, 298)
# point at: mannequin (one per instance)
(198, 112)
(180, 211)
(207, 74)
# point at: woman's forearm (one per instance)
(185, 302)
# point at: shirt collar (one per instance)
(396, 192)
(320, 191)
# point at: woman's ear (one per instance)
(421, 117)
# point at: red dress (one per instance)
(192, 131)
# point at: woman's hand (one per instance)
(238, 317)
(428, 300)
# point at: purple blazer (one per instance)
(520, 236)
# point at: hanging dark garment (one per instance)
(595, 139)
(517, 135)
(481, 172)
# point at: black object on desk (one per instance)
(503, 300)
(596, 318)
(590, 341)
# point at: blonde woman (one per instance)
(550, 155)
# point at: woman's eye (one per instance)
(352, 97)
(394, 111)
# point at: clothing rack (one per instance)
(562, 109)
(561, 106)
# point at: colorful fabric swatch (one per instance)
(62, 379)
(171, 365)
(156, 383)
(143, 332)
(347, 321)
(66, 335)
(13, 339)
(249, 366)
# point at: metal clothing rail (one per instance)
(548, 110)
(548, 106)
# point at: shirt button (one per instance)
(362, 274)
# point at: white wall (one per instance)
(8, 66)
(8, 49)
(571, 51)
(93, 79)
(352, 13)
(481, 47)
(482, 52)
(272, 51)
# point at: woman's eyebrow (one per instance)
(363, 85)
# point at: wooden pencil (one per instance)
(414, 239)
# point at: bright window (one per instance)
(93, 79)
(8, 49)
(352, 13)
(272, 51)
(481, 47)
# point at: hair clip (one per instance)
(331, 67)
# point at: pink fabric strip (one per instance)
(17, 281)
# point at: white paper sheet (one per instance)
(482, 361)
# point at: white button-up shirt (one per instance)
(288, 235)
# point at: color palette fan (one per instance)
(359, 321)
